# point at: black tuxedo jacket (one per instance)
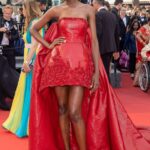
(123, 28)
(107, 31)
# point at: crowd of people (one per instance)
(111, 30)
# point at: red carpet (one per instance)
(136, 102)
(9, 141)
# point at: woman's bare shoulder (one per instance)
(89, 9)
(87, 6)
(56, 9)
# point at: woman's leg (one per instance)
(137, 73)
(75, 113)
(62, 94)
(132, 62)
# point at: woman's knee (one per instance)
(75, 116)
(62, 109)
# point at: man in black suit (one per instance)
(123, 23)
(124, 17)
(116, 11)
(107, 33)
(8, 34)
(117, 7)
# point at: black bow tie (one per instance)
(6, 20)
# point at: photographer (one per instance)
(8, 34)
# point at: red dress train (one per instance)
(108, 126)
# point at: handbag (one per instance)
(124, 60)
(8, 77)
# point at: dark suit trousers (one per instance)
(9, 53)
(106, 58)
(132, 62)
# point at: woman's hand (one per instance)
(26, 68)
(57, 41)
(95, 82)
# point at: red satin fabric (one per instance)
(108, 126)
(71, 62)
(140, 45)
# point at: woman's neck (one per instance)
(72, 2)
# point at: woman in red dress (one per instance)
(142, 39)
(69, 110)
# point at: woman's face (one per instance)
(135, 26)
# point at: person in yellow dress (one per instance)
(17, 122)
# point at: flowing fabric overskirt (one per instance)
(108, 126)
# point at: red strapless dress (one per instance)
(71, 62)
(108, 126)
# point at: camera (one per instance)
(8, 28)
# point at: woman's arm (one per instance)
(33, 48)
(51, 13)
(95, 48)
(140, 38)
(27, 60)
